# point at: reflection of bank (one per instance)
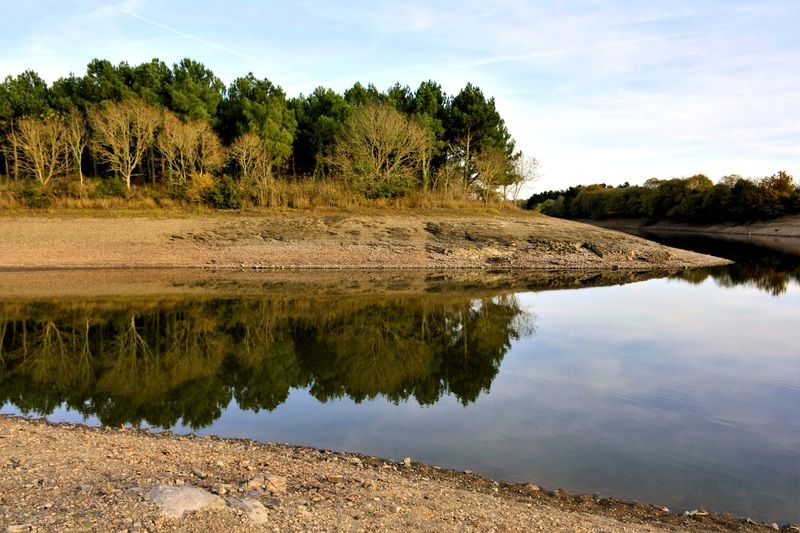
(766, 268)
(159, 361)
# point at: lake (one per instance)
(682, 390)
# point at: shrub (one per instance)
(37, 195)
(111, 187)
(224, 195)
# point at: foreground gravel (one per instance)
(74, 478)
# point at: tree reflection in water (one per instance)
(163, 361)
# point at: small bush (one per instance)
(394, 187)
(111, 187)
(199, 187)
(224, 195)
(36, 195)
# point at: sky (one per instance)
(597, 91)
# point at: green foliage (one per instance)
(694, 199)
(37, 195)
(298, 135)
(393, 187)
(320, 118)
(193, 91)
(112, 186)
(224, 194)
(258, 106)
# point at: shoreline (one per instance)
(781, 234)
(331, 241)
(102, 478)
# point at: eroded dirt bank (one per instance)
(330, 240)
(74, 478)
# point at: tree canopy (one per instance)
(462, 143)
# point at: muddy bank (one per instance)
(69, 477)
(336, 240)
(782, 234)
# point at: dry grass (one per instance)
(67, 197)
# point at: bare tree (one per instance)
(123, 133)
(39, 147)
(253, 160)
(76, 138)
(377, 145)
(526, 170)
(493, 171)
(189, 148)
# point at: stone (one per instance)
(275, 484)
(255, 510)
(336, 479)
(174, 501)
(19, 528)
(530, 487)
(271, 482)
(407, 461)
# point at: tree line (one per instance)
(180, 130)
(694, 199)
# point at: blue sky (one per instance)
(596, 90)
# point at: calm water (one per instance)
(680, 391)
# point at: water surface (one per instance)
(682, 391)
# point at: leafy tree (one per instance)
(358, 95)
(401, 98)
(193, 92)
(474, 125)
(104, 82)
(430, 112)
(320, 118)
(259, 107)
(152, 81)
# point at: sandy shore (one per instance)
(74, 478)
(511, 240)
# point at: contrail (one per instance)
(190, 36)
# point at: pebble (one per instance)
(407, 462)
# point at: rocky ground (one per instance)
(510, 240)
(74, 478)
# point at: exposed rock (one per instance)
(19, 528)
(174, 501)
(271, 482)
(256, 512)
(592, 247)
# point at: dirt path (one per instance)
(329, 240)
(73, 478)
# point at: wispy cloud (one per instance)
(597, 90)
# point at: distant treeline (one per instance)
(695, 199)
(178, 131)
